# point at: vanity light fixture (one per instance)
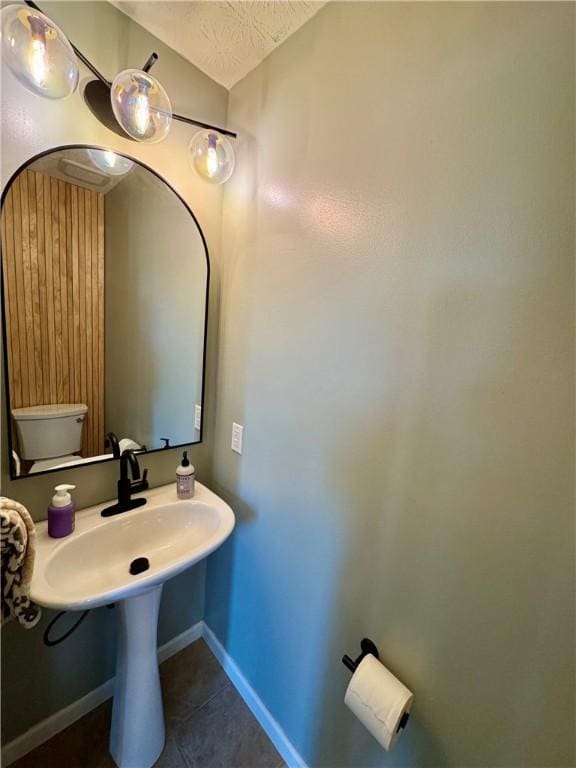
(45, 62)
(38, 52)
(140, 104)
(211, 155)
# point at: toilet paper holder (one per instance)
(368, 647)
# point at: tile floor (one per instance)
(207, 724)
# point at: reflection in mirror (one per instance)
(105, 276)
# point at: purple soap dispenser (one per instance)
(61, 512)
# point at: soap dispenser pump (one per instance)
(185, 478)
(61, 512)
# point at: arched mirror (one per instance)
(105, 286)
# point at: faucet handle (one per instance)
(137, 486)
(141, 485)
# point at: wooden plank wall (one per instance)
(53, 267)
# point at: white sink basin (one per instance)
(91, 567)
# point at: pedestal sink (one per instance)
(92, 567)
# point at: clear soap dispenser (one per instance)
(61, 512)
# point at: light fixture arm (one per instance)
(149, 64)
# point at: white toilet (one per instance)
(48, 432)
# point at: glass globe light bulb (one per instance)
(38, 53)
(141, 106)
(110, 162)
(212, 156)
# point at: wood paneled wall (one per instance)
(53, 266)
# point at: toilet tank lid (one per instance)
(56, 411)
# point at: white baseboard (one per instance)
(180, 642)
(52, 725)
(273, 730)
(57, 722)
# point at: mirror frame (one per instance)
(6, 387)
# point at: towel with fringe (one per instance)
(18, 550)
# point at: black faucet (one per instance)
(112, 441)
(127, 487)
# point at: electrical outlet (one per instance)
(198, 417)
(237, 431)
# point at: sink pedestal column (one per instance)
(137, 734)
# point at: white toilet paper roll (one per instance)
(126, 443)
(378, 699)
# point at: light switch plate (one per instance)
(197, 417)
(237, 431)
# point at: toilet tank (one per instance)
(47, 431)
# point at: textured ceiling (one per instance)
(226, 39)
